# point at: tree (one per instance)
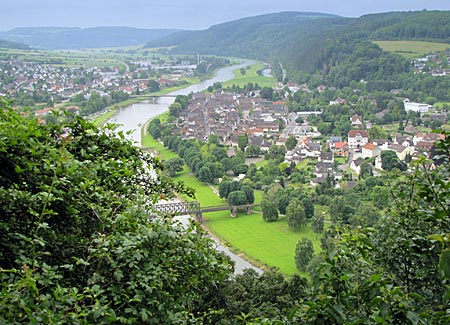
(304, 252)
(205, 175)
(380, 196)
(295, 213)
(243, 72)
(242, 140)
(175, 109)
(269, 210)
(389, 161)
(317, 224)
(309, 207)
(266, 93)
(78, 197)
(237, 198)
(291, 142)
(249, 193)
(252, 151)
(366, 169)
(174, 166)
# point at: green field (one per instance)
(272, 244)
(269, 244)
(251, 75)
(411, 49)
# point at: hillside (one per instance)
(13, 45)
(73, 38)
(306, 42)
(254, 37)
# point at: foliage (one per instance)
(389, 161)
(237, 198)
(304, 252)
(76, 244)
(269, 210)
(296, 215)
(291, 142)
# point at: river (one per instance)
(132, 117)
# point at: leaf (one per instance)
(436, 237)
(444, 264)
(413, 317)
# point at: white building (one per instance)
(416, 107)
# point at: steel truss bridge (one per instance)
(193, 208)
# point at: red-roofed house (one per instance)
(43, 112)
(341, 149)
(369, 150)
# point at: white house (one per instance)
(369, 150)
(357, 138)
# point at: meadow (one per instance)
(251, 75)
(412, 49)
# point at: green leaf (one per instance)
(444, 264)
(413, 317)
(436, 237)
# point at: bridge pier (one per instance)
(199, 217)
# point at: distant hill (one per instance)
(73, 38)
(13, 45)
(314, 42)
(253, 37)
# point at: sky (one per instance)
(182, 14)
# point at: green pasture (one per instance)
(251, 75)
(268, 243)
(412, 49)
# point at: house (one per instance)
(341, 149)
(356, 165)
(402, 151)
(326, 157)
(43, 112)
(370, 150)
(357, 138)
(356, 121)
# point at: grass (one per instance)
(251, 75)
(272, 244)
(412, 49)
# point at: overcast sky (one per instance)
(184, 14)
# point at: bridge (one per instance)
(193, 208)
(152, 96)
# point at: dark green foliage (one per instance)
(251, 298)
(389, 161)
(173, 166)
(269, 210)
(308, 206)
(237, 198)
(291, 142)
(295, 213)
(76, 244)
(304, 252)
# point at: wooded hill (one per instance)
(305, 42)
(13, 45)
(55, 38)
